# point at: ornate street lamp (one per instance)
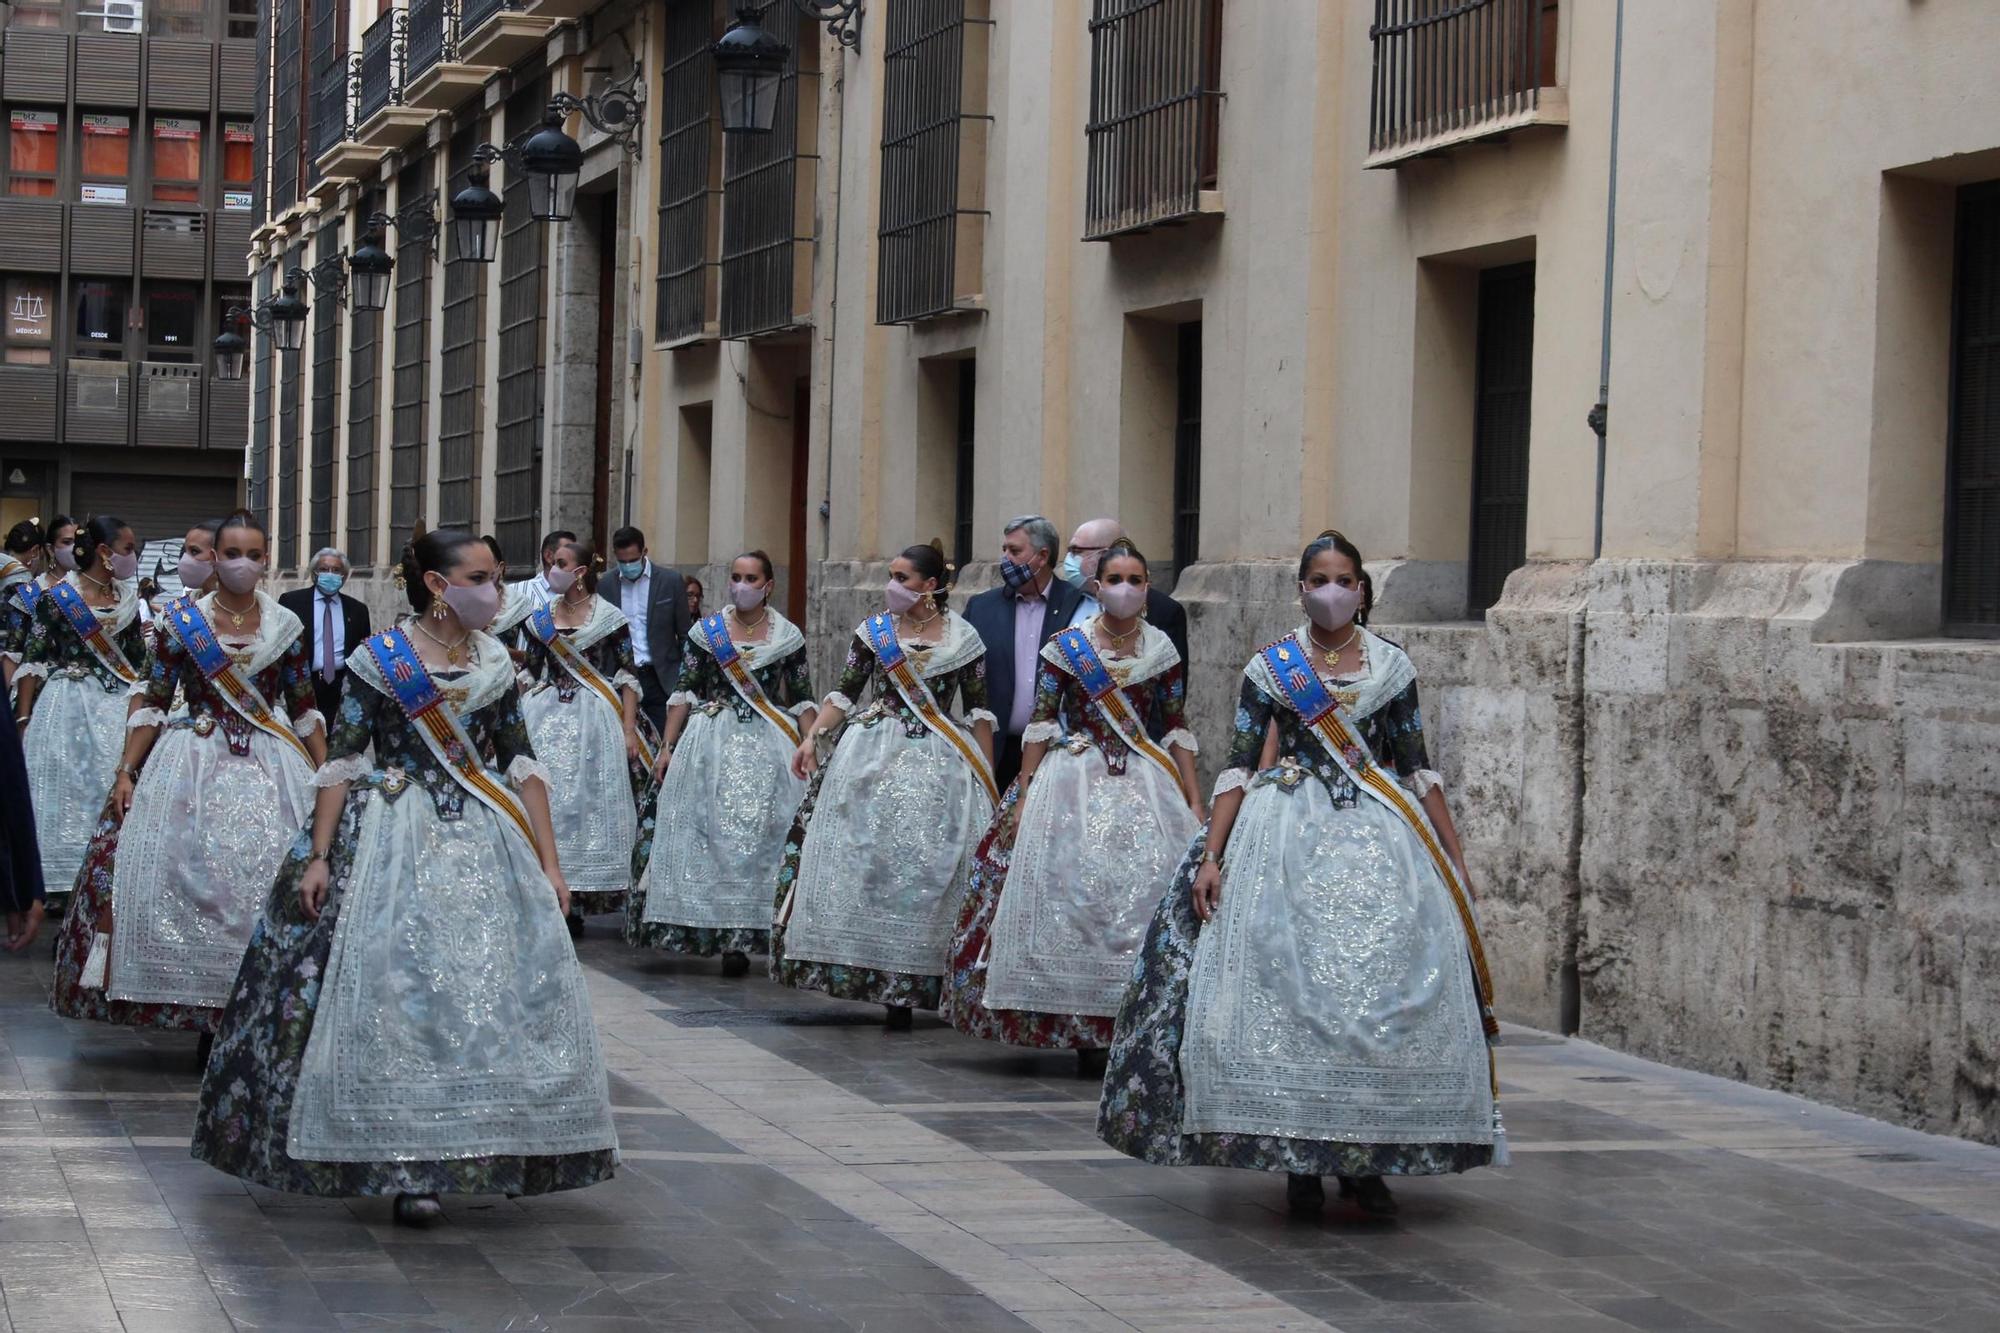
(552, 161)
(287, 313)
(369, 267)
(749, 67)
(475, 217)
(232, 351)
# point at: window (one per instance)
(1187, 446)
(176, 160)
(1972, 466)
(684, 293)
(239, 165)
(98, 332)
(242, 20)
(31, 321)
(461, 369)
(36, 14)
(325, 396)
(411, 391)
(961, 500)
(226, 299)
(767, 196)
(115, 16)
(517, 463)
(1154, 94)
(34, 151)
(1449, 73)
(1505, 362)
(105, 163)
(173, 322)
(176, 18)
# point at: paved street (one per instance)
(788, 1165)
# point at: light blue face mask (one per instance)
(631, 569)
(330, 582)
(1072, 569)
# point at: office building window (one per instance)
(173, 321)
(34, 151)
(36, 14)
(127, 17)
(242, 18)
(98, 331)
(176, 160)
(176, 18)
(105, 162)
(31, 321)
(239, 165)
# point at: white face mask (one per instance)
(1330, 605)
(561, 580)
(747, 597)
(1121, 601)
(123, 564)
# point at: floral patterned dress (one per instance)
(895, 813)
(712, 838)
(1105, 825)
(255, 1086)
(1302, 872)
(216, 795)
(581, 739)
(15, 617)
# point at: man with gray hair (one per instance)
(1014, 620)
(335, 623)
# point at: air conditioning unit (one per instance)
(124, 16)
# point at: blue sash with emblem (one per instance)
(541, 623)
(190, 628)
(1110, 700)
(411, 686)
(880, 631)
(715, 630)
(90, 629)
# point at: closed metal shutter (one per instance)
(155, 506)
(1506, 363)
(1972, 497)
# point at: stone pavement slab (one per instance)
(790, 1165)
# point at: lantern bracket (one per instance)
(841, 17)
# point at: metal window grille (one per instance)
(291, 519)
(1187, 446)
(460, 347)
(262, 362)
(365, 354)
(412, 362)
(1972, 467)
(382, 49)
(288, 101)
(761, 194)
(328, 85)
(962, 481)
(325, 396)
(1442, 67)
(923, 204)
(1154, 106)
(517, 467)
(260, 133)
(433, 35)
(684, 293)
(1501, 399)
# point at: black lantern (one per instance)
(232, 355)
(552, 161)
(368, 270)
(288, 316)
(749, 66)
(475, 217)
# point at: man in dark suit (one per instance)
(654, 599)
(1014, 621)
(1086, 552)
(336, 625)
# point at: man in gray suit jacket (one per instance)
(654, 599)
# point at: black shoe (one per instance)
(1090, 1064)
(898, 1018)
(576, 925)
(202, 1050)
(1370, 1194)
(736, 965)
(418, 1210)
(1305, 1195)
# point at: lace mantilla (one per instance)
(337, 772)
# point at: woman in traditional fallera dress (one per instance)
(583, 718)
(1313, 997)
(35, 559)
(1087, 838)
(712, 842)
(205, 805)
(410, 1018)
(875, 864)
(85, 657)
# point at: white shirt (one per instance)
(538, 588)
(633, 597)
(1085, 609)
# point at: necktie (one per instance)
(327, 665)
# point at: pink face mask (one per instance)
(901, 597)
(1330, 605)
(475, 603)
(747, 597)
(239, 575)
(195, 571)
(122, 564)
(561, 580)
(1122, 601)
(66, 557)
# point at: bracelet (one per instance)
(128, 771)
(320, 856)
(1210, 857)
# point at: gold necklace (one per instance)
(1332, 655)
(236, 618)
(454, 653)
(571, 605)
(1117, 641)
(737, 616)
(102, 587)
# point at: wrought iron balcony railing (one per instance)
(1454, 71)
(332, 99)
(382, 56)
(1154, 105)
(433, 36)
(476, 12)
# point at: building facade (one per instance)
(125, 219)
(1672, 450)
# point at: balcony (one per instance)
(433, 77)
(339, 156)
(560, 9)
(1448, 73)
(379, 112)
(499, 32)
